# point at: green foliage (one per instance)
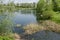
(11, 4)
(44, 9)
(6, 38)
(43, 6)
(55, 5)
(40, 6)
(5, 24)
(48, 10)
(47, 15)
(56, 17)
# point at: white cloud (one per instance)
(21, 1)
(25, 1)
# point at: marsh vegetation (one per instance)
(30, 21)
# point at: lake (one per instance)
(20, 18)
(24, 17)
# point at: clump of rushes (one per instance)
(45, 25)
(33, 28)
(51, 26)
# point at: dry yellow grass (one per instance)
(52, 26)
(33, 28)
(45, 25)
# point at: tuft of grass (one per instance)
(51, 26)
(33, 28)
(45, 25)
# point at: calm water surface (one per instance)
(24, 17)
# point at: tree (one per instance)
(44, 8)
(55, 5)
(40, 6)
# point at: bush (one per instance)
(56, 5)
(56, 17)
(5, 24)
(45, 15)
(40, 6)
(45, 10)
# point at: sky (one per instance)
(21, 1)
(26, 1)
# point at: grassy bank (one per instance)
(44, 25)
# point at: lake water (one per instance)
(22, 18)
(19, 18)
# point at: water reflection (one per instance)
(21, 18)
(24, 17)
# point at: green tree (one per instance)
(40, 6)
(55, 5)
(44, 9)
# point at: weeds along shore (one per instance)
(45, 25)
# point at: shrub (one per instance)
(5, 25)
(45, 15)
(56, 17)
